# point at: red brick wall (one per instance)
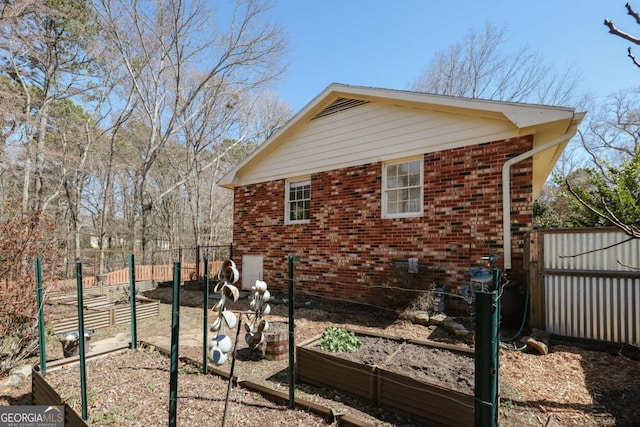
(347, 248)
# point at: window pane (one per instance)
(392, 182)
(404, 188)
(414, 193)
(299, 200)
(414, 167)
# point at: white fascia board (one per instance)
(521, 115)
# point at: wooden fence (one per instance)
(158, 273)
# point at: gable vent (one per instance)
(340, 104)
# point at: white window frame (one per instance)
(287, 202)
(387, 191)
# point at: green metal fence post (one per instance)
(132, 301)
(499, 287)
(175, 330)
(205, 323)
(41, 331)
(292, 343)
(83, 364)
(486, 367)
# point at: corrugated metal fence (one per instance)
(585, 283)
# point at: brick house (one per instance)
(362, 178)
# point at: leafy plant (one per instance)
(338, 339)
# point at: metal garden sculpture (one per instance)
(221, 345)
(257, 326)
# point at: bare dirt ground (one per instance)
(440, 367)
(570, 386)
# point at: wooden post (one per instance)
(536, 283)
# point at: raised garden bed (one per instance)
(98, 313)
(429, 381)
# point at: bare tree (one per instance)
(479, 67)
(173, 52)
(633, 39)
(44, 48)
(611, 138)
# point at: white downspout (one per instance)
(506, 188)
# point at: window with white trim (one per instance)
(298, 201)
(402, 189)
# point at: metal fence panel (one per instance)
(599, 308)
(589, 250)
(592, 284)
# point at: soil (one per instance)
(571, 386)
(432, 365)
(132, 389)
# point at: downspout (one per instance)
(506, 186)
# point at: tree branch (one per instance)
(632, 12)
(627, 266)
(614, 30)
(633, 58)
(630, 230)
(597, 250)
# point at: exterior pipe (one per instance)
(506, 187)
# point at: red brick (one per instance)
(347, 248)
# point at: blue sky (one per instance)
(387, 43)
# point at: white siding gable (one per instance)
(370, 133)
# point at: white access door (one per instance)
(251, 270)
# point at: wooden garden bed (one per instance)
(100, 314)
(387, 385)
